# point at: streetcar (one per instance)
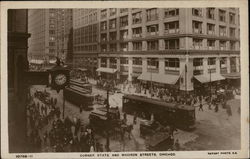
(177, 115)
(79, 97)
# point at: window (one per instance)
(137, 61)
(124, 46)
(223, 62)
(210, 29)
(51, 43)
(211, 61)
(152, 29)
(112, 62)
(210, 13)
(124, 21)
(52, 31)
(222, 45)
(231, 18)
(172, 63)
(137, 32)
(112, 24)
(123, 10)
(103, 25)
(51, 50)
(124, 60)
(153, 63)
(232, 45)
(112, 11)
(198, 62)
(222, 15)
(113, 47)
(197, 43)
(123, 34)
(104, 14)
(222, 31)
(172, 44)
(197, 27)
(103, 48)
(104, 37)
(153, 45)
(52, 26)
(52, 38)
(211, 44)
(137, 46)
(197, 12)
(136, 18)
(112, 36)
(172, 27)
(171, 12)
(152, 14)
(104, 62)
(232, 32)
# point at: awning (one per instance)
(33, 61)
(82, 69)
(106, 70)
(52, 61)
(234, 75)
(206, 78)
(159, 78)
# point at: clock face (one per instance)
(60, 79)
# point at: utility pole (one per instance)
(108, 119)
(151, 89)
(186, 83)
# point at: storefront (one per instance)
(107, 73)
(207, 84)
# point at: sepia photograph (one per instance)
(124, 79)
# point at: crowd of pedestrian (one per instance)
(48, 132)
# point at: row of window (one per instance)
(170, 44)
(86, 34)
(169, 62)
(89, 48)
(171, 28)
(152, 14)
(210, 14)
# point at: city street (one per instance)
(214, 130)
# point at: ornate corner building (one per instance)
(169, 46)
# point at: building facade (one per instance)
(50, 32)
(171, 46)
(17, 65)
(86, 32)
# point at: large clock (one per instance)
(60, 79)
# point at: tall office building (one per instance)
(50, 29)
(184, 47)
(86, 32)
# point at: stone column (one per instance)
(237, 64)
(205, 66)
(218, 65)
(228, 65)
(186, 74)
(108, 63)
(130, 71)
(99, 65)
(161, 66)
(144, 65)
(118, 63)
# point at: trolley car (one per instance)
(178, 115)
